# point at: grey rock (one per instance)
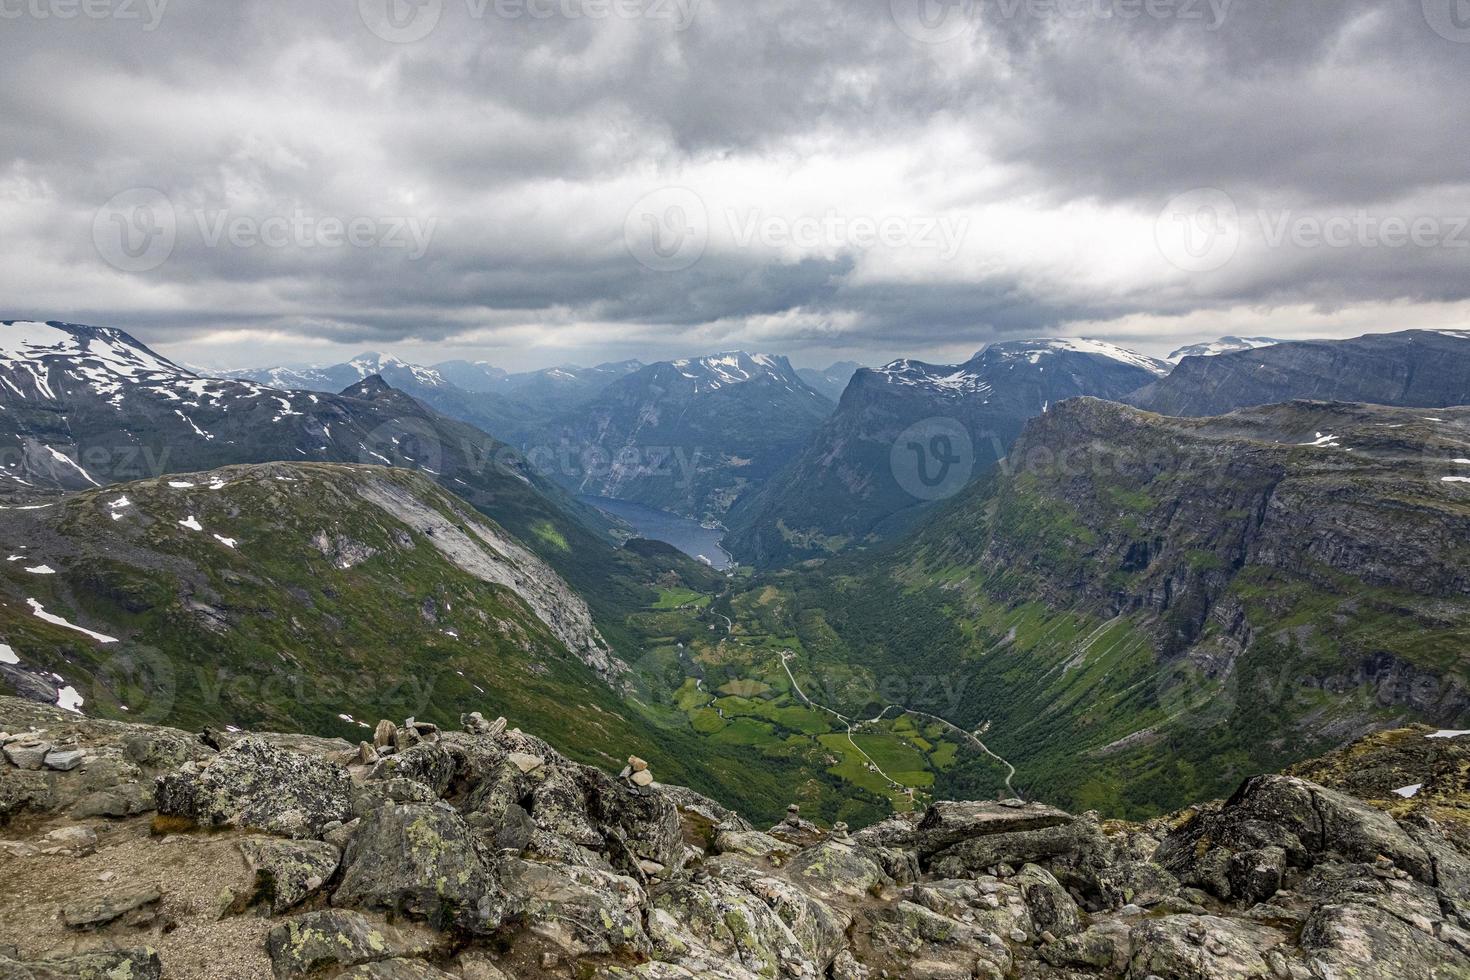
(255, 786)
(76, 841)
(385, 734)
(101, 910)
(1052, 909)
(318, 941)
(64, 760)
(833, 870)
(287, 872)
(125, 964)
(428, 763)
(1202, 948)
(1307, 823)
(946, 824)
(27, 753)
(582, 911)
(395, 970)
(421, 861)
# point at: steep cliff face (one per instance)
(1129, 596)
(859, 481)
(1168, 512)
(1412, 368)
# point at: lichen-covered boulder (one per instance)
(1106, 946)
(428, 763)
(395, 970)
(286, 873)
(701, 924)
(581, 911)
(316, 942)
(253, 785)
(420, 861)
(1304, 822)
(835, 870)
(1052, 909)
(910, 940)
(820, 928)
(1365, 924)
(946, 824)
(1203, 947)
(580, 814)
(125, 964)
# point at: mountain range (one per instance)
(1110, 607)
(1421, 368)
(910, 433)
(688, 436)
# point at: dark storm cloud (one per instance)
(507, 150)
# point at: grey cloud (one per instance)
(491, 127)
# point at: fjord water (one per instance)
(687, 535)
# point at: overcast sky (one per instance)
(534, 182)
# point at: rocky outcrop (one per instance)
(254, 786)
(486, 854)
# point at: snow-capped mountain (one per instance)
(84, 406)
(1076, 364)
(690, 435)
(707, 374)
(334, 378)
(1225, 345)
(1411, 368)
(843, 488)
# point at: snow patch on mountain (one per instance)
(1225, 345)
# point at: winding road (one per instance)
(786, 656)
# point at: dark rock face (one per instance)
(254, 786)
(1416, 368)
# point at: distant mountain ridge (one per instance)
(1415, 368)
(688, 436)
(1224, 345)
(831, 381)
(849, 485)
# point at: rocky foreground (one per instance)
(131, 852)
